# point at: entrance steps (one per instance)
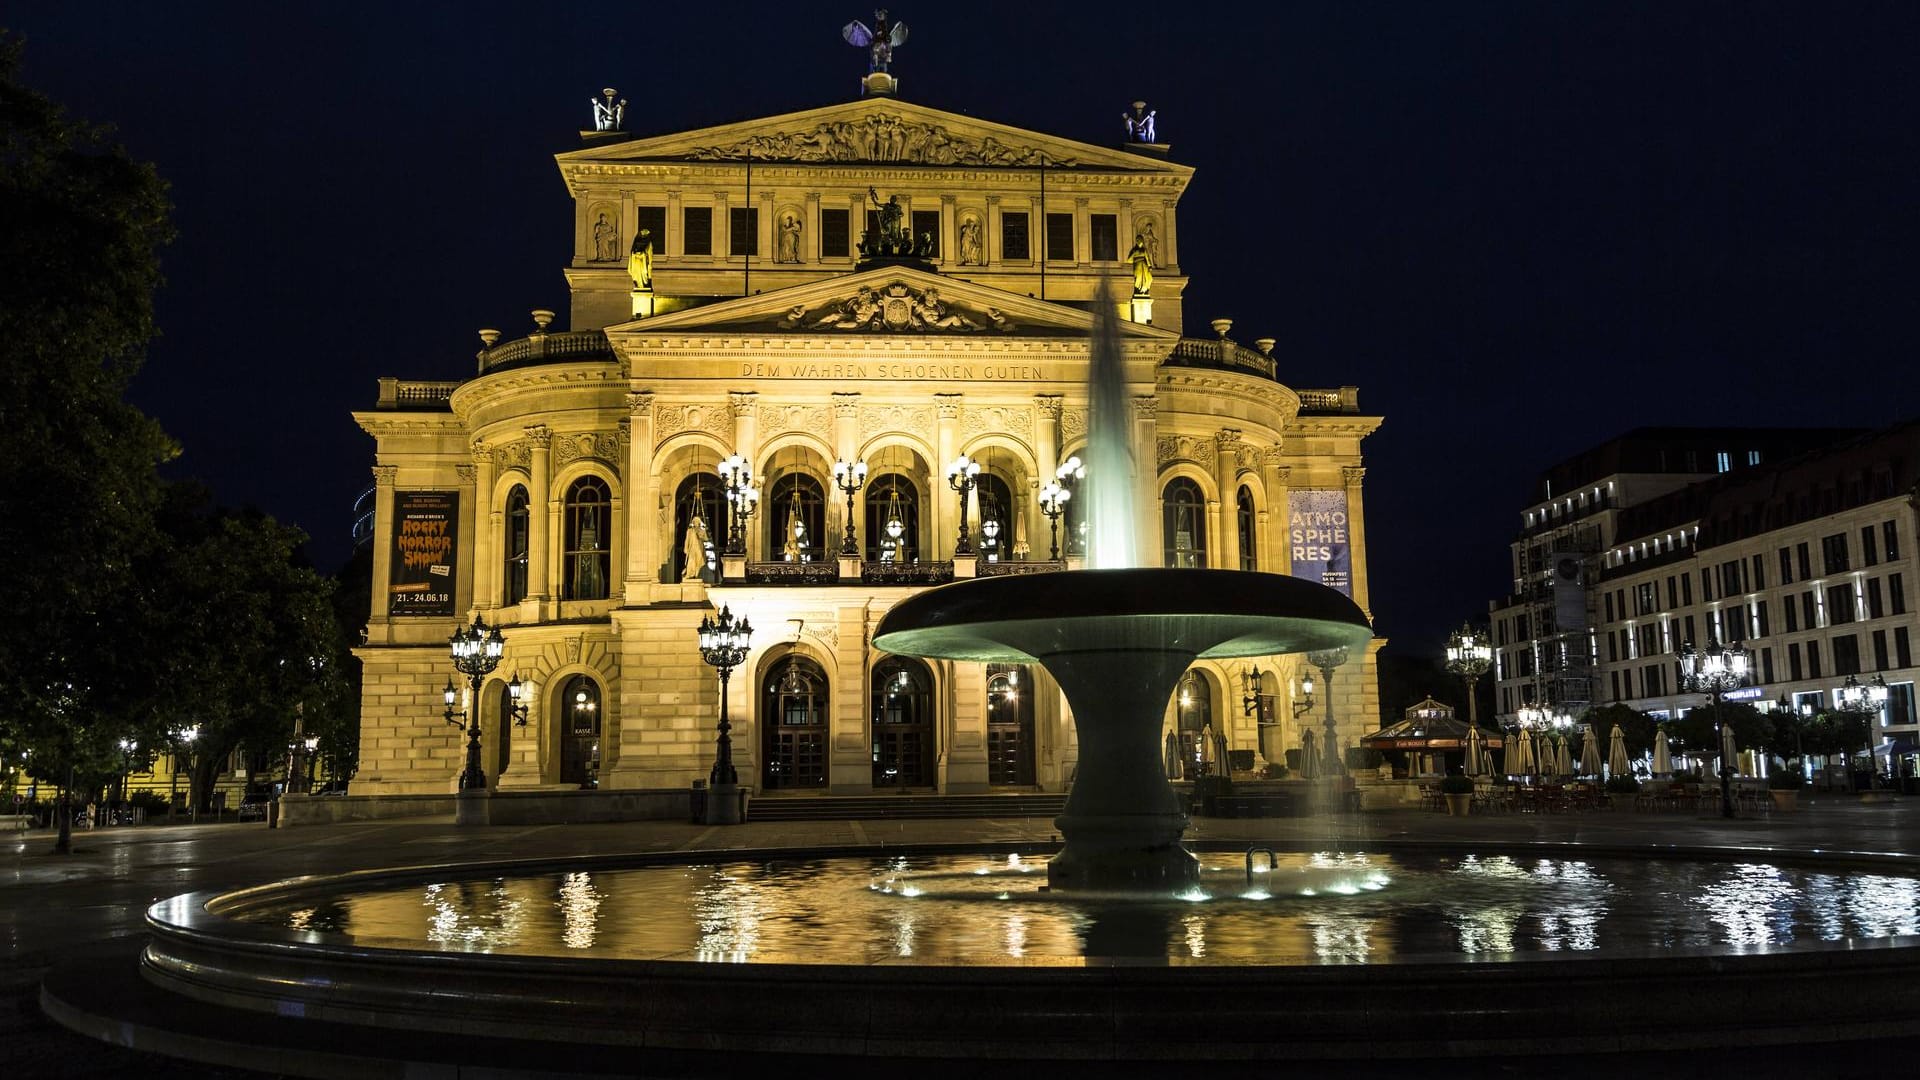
(784, 807)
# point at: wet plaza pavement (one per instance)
(56, 908)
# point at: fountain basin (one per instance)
(1735, 991)
(1117, 642)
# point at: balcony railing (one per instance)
(542, 348)
(1345, 399)
(893, 573)
(1017, 568)
(793, 573)
(414, 394)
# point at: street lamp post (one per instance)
(476, 652)
(1469, 656)
(126, 769)
(1053, 503)
(723, 645)
(1068, 476)
(1326, 661)
(962, 474)
(742, 499)
(849, 477)
(1714, 671)
(1868, 698)
(185, 735)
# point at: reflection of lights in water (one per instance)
(1492, 866)
(728, 912)
(1194, 896)
(1880, 906)
(1339, 940)
(1013, 932)
(302, 919)
(1256, 894)
(904, 922)
(488, 922)
(1824, 900)
(1196, 926)
(1483, 930)
(1753, 904)
(579, 905)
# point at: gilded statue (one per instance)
(1142, 260)
(640, 261)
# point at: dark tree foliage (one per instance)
(81, 224)
(1635, 726)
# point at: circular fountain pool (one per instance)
(961, 954)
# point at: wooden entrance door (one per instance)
(795, 744)
(902, 717)
(1009, 725)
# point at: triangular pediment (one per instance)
(898, 300)
(879, 130)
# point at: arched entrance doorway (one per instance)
(794, 739)
(580, 732)
(893, 519)
(1009, 725)
(1193, 717)
(902, 711)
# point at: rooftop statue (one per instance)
(609, 115)
(879, 41)
(1140, 123)
(894, 239)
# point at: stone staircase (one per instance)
(880, 807)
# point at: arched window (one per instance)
(1193, 715)
(519, 531)
(1009, 725)
(893, 519)
(1183, 524)
(1249, 531)
(589, 532)
(795, 730)
(902, 723)
(796, 515)
(580, 732)
(994, 537)
(699, 508)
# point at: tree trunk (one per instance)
(63, 838)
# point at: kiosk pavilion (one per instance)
(877, 283)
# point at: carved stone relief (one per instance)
(669, 420)
(1014, 421)
(812, 419)
(1073, 423)
(585, 445)
(879, 137)
(892, 309)
(517, 454)
(912, 419)
(1171, 448)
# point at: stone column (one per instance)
(636, 479)
(1279, 544)
(1046, 446)
(1146, 466)
(1226, 474)
(810, 229)
(722, 227)
(1082, 232)
(1124, 225)
(991, 250)
(856, 223)
(539, 516)
(487, 520)
(1351, 475)
(1170, 248)
(943, 503)
(949, 256)
(675, 242)
(763, 232)
(383, 478)
(746, 443)
(466, 587)
(846, 444)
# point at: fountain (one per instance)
(1117, 638)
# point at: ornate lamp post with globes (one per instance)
(1069, 475)
(1053, 503)
(1714, 671)
(742, 499)
(1866, 698)
(723, 645)
(476, 652)
(849, 477)
(962, 473)
(1469, 656)
(1326, 661)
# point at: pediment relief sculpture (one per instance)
(880, 137)
(895, 308)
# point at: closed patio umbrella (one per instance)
(1475, 753)
(1617, 763)
(1662, 760)
(1590, 753)
(1563, 758)
(1519, 759)
(1309, 761)
(1542, 753)
(1729, 750)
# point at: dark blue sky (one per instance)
(1521, 228)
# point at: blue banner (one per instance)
(1317, 524)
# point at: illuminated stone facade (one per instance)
(580, 458)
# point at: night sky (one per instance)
(1520, 228)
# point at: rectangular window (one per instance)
(1673, 593)
(1759, 574)
(1690, 636)
(1806, 610)
(1833, 553)
(1616, 684)
(926, 232)
(1839, 604)
(1786, 567)
(1608, 600)
(1686, 590)
(1813, 659)
(1760, 627)
(1896, 595)
(743, 230)
(1874, 607)
(1793, 661)
(1766, 665)
(1890, 539)
(1723, 461)
(1105, 237)
(1646, 602)
(1613, 650)
(1846, 655)
(1793, 616)
(1869, 546)
(1730, 578)
(1902, 649)
(654, 220)
(1059, 237)
(1014, 245)
(696, 230)
(836, 237)
(1806, 565)
(1879, 650)
(1753, 457)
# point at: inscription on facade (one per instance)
(913, 370)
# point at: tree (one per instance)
(1637, 727)
(81, 225)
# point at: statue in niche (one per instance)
(606, 241)
(1153, 242)
(1142, 261)
(640, 261)
(1139, 123)
(788, 250)
(970, 242)
(609, 115)
(879, 41)
(696, 550)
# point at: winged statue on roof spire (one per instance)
(879, 41)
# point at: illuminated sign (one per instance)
(1745, 693)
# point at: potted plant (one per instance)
(1622, 790)
(1783, 785)
(1457, 788)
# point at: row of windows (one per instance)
(794, 512)
(1811, 610)
(1804, 661)
(838, 240)
(1838, 603)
